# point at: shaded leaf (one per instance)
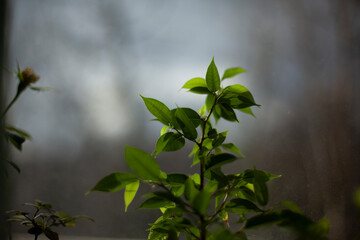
(292, 206)
(176, 178)
(239, 205)
(219, 160)
(260, 188)
(169, 142)
(199, 90)
(155, 203)
(186, 125)
(190, 189)
(201, 201)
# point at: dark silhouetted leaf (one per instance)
(155, 202)
(239, 205)
(219, 160)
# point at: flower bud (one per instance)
(29, 76)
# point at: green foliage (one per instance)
(198, 206)
(15, 136)
(43, 219)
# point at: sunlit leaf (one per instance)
(212, 77)
(142, 164)
(247, 110)
(231, 72)
(130, 192)
(114, 182)
(231, 147)
(158, 109)
(194, 83)
(19, 131)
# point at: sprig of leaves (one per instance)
(43, 219)
(192, 203)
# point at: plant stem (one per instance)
(10, 104)
(202, 170)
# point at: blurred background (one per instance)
(302, 60)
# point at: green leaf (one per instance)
(212, 77)
(185, 123)
(199, 90)
(19, 131)
(231, 72)
(169, 142)
(51, 234)
(163, 130)
(16, 140)
(201, 201)
(176, 179)
(114, 182)
(238, 97)
(247, 110)
(42, 89)
(231, 147)
(143, 165)
(219, 139)
(14, 165)
(130, 192)
(240, 206)
(292, 206)
(155, 203)
(228, 113)
(194, 83)
(219, 160)
(158, 109)
(190, 189)
(209, 101)
(260, 188)
(191, 114)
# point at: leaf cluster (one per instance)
(43, 219)
(13, 135)
(194, 204)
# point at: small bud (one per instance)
(29, 76)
